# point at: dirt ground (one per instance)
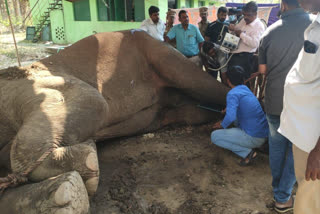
(173, 171)
(177, 170)
(28, 52)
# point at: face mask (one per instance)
(232, 18)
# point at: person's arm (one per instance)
(231, 110)
(262, 57)
(207, 39)
(171, 35)
(313, 163)
(144, 26)
(251, 39)
(200, 45)
(199, 37)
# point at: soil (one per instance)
(178, 171)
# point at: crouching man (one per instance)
(244, 109)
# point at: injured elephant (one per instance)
(105, 86)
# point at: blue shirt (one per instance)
(244, 107)
(187, 40)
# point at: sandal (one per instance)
(284, 209)
(249, 159)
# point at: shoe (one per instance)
(284, 209)
(250, 157)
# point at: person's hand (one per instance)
(238, 32)
(232, 27)
(224, 111)
(313, 165)
(217, 125)
(255, 74)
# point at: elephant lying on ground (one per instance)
(104, 86)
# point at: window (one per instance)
(120, 10)
(172, 4)
(81, 10)
(188, 3)
(201, 3)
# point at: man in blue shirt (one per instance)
(244, 109)
(188, 36)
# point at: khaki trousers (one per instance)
(308, 195)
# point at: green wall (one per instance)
(76, 30)
(65, 29)
(39, 9)
(162, 4)
(194, 3)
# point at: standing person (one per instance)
(188, 36)
(243, 107)
(250, 30)
(279, 49)
(171, 16)
(203, 24)
(300, 118)
(154, 26)
(214, 29)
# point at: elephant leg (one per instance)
(63, 194)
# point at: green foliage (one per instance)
(16, 22)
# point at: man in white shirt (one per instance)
(154, 26)
(250, 30)
(300, 118)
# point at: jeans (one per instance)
(281, 161)
(236, 140)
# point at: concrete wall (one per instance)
(76, 30)
(39, 9)
(62, 21)
(194, 3)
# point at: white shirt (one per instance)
(300, 118)
(250, 36)
(154, 30)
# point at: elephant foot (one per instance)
(64, 194)
(81, 157)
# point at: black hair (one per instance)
(292, 3)
(236, 75)
(232, 11)
(222, 10)
(182, 11)
(250, 7)
(153, 9)
(207, 46)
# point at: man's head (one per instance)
(183, 17)
(222, 14)
(171, 16)
(235, 76)
(203, 13)
(289, 5)
(209, 48)
(154, 14)
(310, 5)
(249, 12)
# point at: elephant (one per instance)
(104, 86)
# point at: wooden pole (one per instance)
(12, 31)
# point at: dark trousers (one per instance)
(214, 74)
(245, 60)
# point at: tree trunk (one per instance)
(3, 9)
(15, 8)
(65, 193)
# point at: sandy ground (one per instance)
(178, 171)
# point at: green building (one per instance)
(72, 20)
